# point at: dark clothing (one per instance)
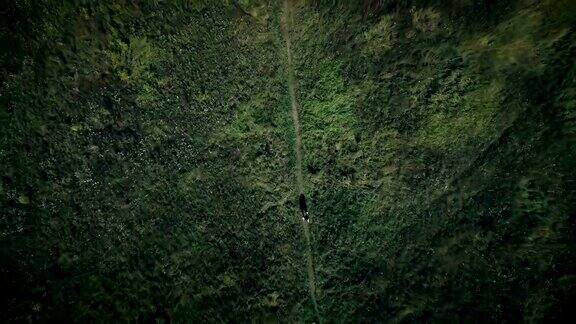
(303, 207)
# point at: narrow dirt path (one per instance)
(286, 21)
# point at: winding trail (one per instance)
(286, 21)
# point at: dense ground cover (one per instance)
(439, 145)
(146, 164)
(147, 160)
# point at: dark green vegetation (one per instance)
(147, 160)
(440, 148)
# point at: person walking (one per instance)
(304, 208)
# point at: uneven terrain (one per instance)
(152, 154)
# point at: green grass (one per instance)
(147, 161)
(425, 211)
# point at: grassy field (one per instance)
(149, 169)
